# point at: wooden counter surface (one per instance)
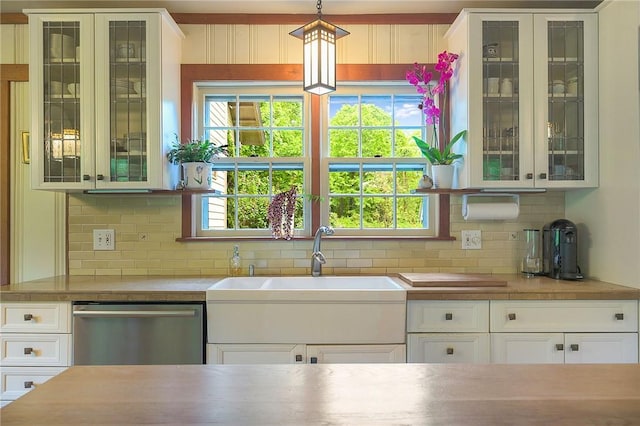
(158, 288)
(347, 394)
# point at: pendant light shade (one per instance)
(319, 53)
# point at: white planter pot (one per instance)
(197, 175)
(442, 175)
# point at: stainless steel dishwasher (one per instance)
(138, 333)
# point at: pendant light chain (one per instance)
(319, 7)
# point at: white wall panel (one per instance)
(195, 44)
(7, 48)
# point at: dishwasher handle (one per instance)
(135, 313)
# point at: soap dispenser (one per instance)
(234, 262)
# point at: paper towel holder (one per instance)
(465, 199)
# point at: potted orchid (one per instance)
(437, 155)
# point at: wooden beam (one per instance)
(13, 18)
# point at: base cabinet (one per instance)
(304, 354)
(35, 345)
(572, 332)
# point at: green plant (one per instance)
(194, 151)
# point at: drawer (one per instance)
(448, 316)
(35, 350)
(444, 348)
(16, 381)
(45, 317)
(564, 316)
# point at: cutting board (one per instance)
(437, 279)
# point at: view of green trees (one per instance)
(346, 181)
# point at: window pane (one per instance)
(377, 212)
(252, 212)
(344, 179)
(287, 143)
(345, 212)
(283, 180)
(407, 180)
(376, 110)
(412, 212)
(376, 143)
(343, 111)
(343, 143)
(378, 181)
(407, 112)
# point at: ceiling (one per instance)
(329, 7)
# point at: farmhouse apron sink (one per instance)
(323, 310)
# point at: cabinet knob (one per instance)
(86, 177)
(542, 175)
(448, 316)
(575, 347)
(313, 360)
(28, 317)
(511, 316)
(619, 317)
(29, 351)
(298, 358)
(529, 175)
(99, 177)
(559, 347)
(449, 351)
(28, 384)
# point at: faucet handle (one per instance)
(319, 257)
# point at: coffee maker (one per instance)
(560, 250)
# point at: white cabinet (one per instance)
(448, 331)
(527, 92)
(301, 353)
(598, 331)
(35, 345)
(105, 98)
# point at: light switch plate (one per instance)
(104, 239)
(472, 240)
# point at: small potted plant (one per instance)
(195, 156)
(441, 160)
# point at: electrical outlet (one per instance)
(471, 240)
(513, 236)
(104, 239)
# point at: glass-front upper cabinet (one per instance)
(106, 83)
(526, 91)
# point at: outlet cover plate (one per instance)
(104, 239)
(472, 240)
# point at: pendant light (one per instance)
(319, 53)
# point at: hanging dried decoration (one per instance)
(281, 214)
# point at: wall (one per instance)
(146, 227)
(609, 216)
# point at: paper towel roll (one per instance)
(491, 211)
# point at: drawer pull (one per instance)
(313, 360)
(559, 347)
(298, 358)
(29, 351)
(28, 317)
(619, 317)
(28, 384)
(448, 316)
(575, 347)
(511, 317)
(449, 351)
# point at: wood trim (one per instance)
(301, 19)
(315, 163)
(8, 73)
(192, 73)
(13, 18)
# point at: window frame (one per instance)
(194, 73)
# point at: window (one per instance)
(368, 168)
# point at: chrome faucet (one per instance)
(317, 258)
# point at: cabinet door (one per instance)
(566, 100)
(527, 348)
(500, 86)
(608, 348)
(127, 86)
(355, 354)
(255, 354)
(448, 348)
(61, 74)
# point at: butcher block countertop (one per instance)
(338, 394)
(158, 288)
